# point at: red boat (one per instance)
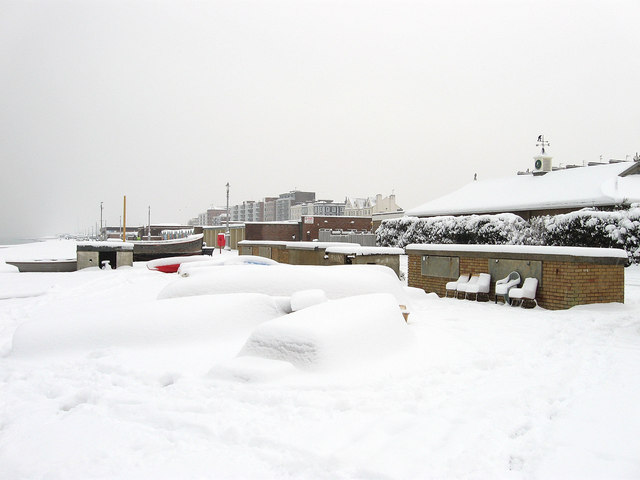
(171, 264)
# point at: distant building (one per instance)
(328, 208)
(368, 206)
(213, 215)
(296, 212)
(247, 211)
(270, 209)
(286, 200)
(319, 207)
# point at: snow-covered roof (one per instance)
(264, 242)
(319, 245)
(522, 250)
(598, 185)
(115, 243)
(358, 250)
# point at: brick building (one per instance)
(567, 276)
(307, 229)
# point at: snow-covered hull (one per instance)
(144, 251)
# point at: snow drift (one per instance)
(335, 333)
(167, 322)
(338, 281)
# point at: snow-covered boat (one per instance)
(171, 264)
(150, 250)
(66, 265)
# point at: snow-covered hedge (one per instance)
(593, 228)
(392, 233)
(584, 228)
(472, 229)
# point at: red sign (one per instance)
(221, 241)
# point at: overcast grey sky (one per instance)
(166, 101)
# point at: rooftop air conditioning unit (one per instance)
(542, 164)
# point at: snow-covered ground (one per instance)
(102, 376)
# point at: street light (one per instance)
(227, 234)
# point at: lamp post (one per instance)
(124, 219)
(227, 234)
(101, 221)
(149, 221)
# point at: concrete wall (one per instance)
(91, 258)
(88, 259)
(565, 280)
(124, 259)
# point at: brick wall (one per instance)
(282, 232)
(565, 283)
(428, 284)
(310, 231)
(473, 266)
(570, 284)
(468, 265)
(292, 232)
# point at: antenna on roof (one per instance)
(542, 143)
